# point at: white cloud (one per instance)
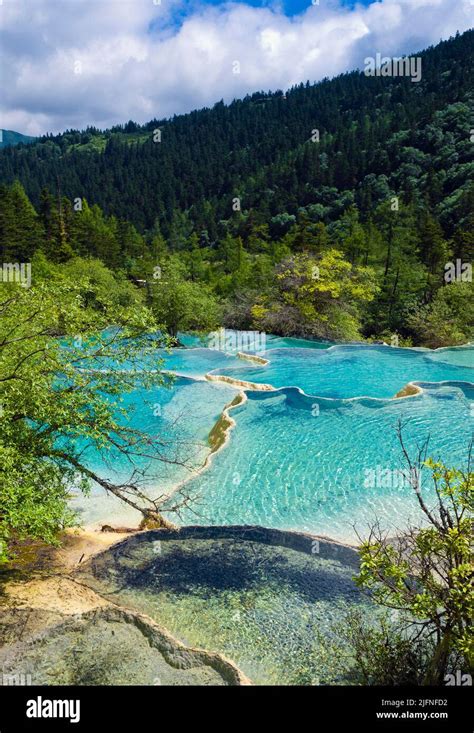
(70, 63)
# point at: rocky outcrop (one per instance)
(239, 383)
(409, 390)
(220, 432)
(253, 358)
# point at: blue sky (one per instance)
(290, 7)
(73, 63)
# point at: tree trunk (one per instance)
(389, 253)
(154, 520)
(438, 664)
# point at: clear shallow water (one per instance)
(193, 362)
(105, 648)
(293, 460)
(196, 362)
(462, 356)
(324, 466)
(182, 415)
(268, 608)
(355, 371)
(238, 340)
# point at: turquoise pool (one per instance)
(328, 466)
(346, 371)
(320, 454)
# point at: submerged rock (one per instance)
(113, 646)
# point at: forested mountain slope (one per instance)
(377, 136)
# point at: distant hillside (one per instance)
(378, 137)
(10, 137)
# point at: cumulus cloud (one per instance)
(71, 63)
